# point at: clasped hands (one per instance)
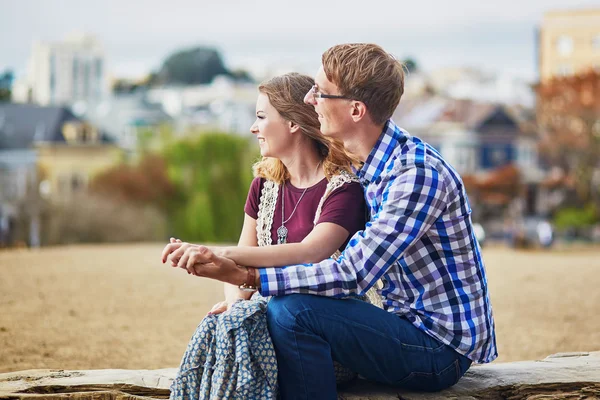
(203, 261)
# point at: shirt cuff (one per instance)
(271, 282)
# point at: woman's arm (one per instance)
(320, 244)
(247, 239)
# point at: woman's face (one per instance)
(271, 130)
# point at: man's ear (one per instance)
(358, 110)
(294, 127)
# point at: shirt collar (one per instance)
(381, 153)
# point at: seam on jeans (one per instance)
(301, 367)
(458, 374)
(368, 328)
(431, 374)
(295, 343)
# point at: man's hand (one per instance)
(215, 267)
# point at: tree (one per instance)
(5, 95)
(242, 75)
(199, 184)
(6, 81)
(568, 115)
(198, 65)
(213, 172)
(410, 64)
(494, 192)
(145, 183)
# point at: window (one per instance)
(498, 156)
(596, 42)
(87, 71)
(76, 183)
(52, 78)
(75, 76)
(564, 70)
(40, 132)
(98, 81)
(564, 45)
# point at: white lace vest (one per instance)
(266, 211)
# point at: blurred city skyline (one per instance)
(262, 36)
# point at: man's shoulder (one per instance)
(411, 152)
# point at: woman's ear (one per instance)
(294, 127)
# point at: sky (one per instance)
(137, 35)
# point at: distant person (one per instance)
(545, 234)
(437, 317)
(303, 206)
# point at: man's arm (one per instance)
(413, 199)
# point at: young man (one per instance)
(437, 316)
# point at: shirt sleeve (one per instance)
(345, 207)
(413, 198)
(251, 207)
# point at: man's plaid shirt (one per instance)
(419, 242)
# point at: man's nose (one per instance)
(309, 98)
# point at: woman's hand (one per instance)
(179, 253)
(172, 251)
(192, 255)
(221, 307)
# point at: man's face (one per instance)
(334, 114)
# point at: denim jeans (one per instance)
(309, 332)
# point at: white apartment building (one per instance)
(65, 72)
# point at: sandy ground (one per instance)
(92, 307)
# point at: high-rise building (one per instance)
(569, 42)
(66, 72)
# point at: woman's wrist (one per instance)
(223, 252)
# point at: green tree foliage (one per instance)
(577, 217)
(241, 75)
(5, 95)
(6, 81)
(411, 64)
(199, 185)
(198, 65)
(213, 172)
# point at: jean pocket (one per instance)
(435, 348)
(431, 381)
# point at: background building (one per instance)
(64, 72)
(569, 42)
(47, 155)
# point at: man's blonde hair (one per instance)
(367, 73)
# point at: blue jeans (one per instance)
(309, 332)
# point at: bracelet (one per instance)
(249, 285)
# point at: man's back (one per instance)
(439, 281)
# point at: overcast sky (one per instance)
(138, 34)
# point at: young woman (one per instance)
(303, 206)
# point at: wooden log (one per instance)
(560, 376)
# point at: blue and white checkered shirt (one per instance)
(419, 242)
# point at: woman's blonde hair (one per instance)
(286, 94)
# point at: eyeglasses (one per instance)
(314, 91)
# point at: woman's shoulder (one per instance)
(343, 178)
(258, 183)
